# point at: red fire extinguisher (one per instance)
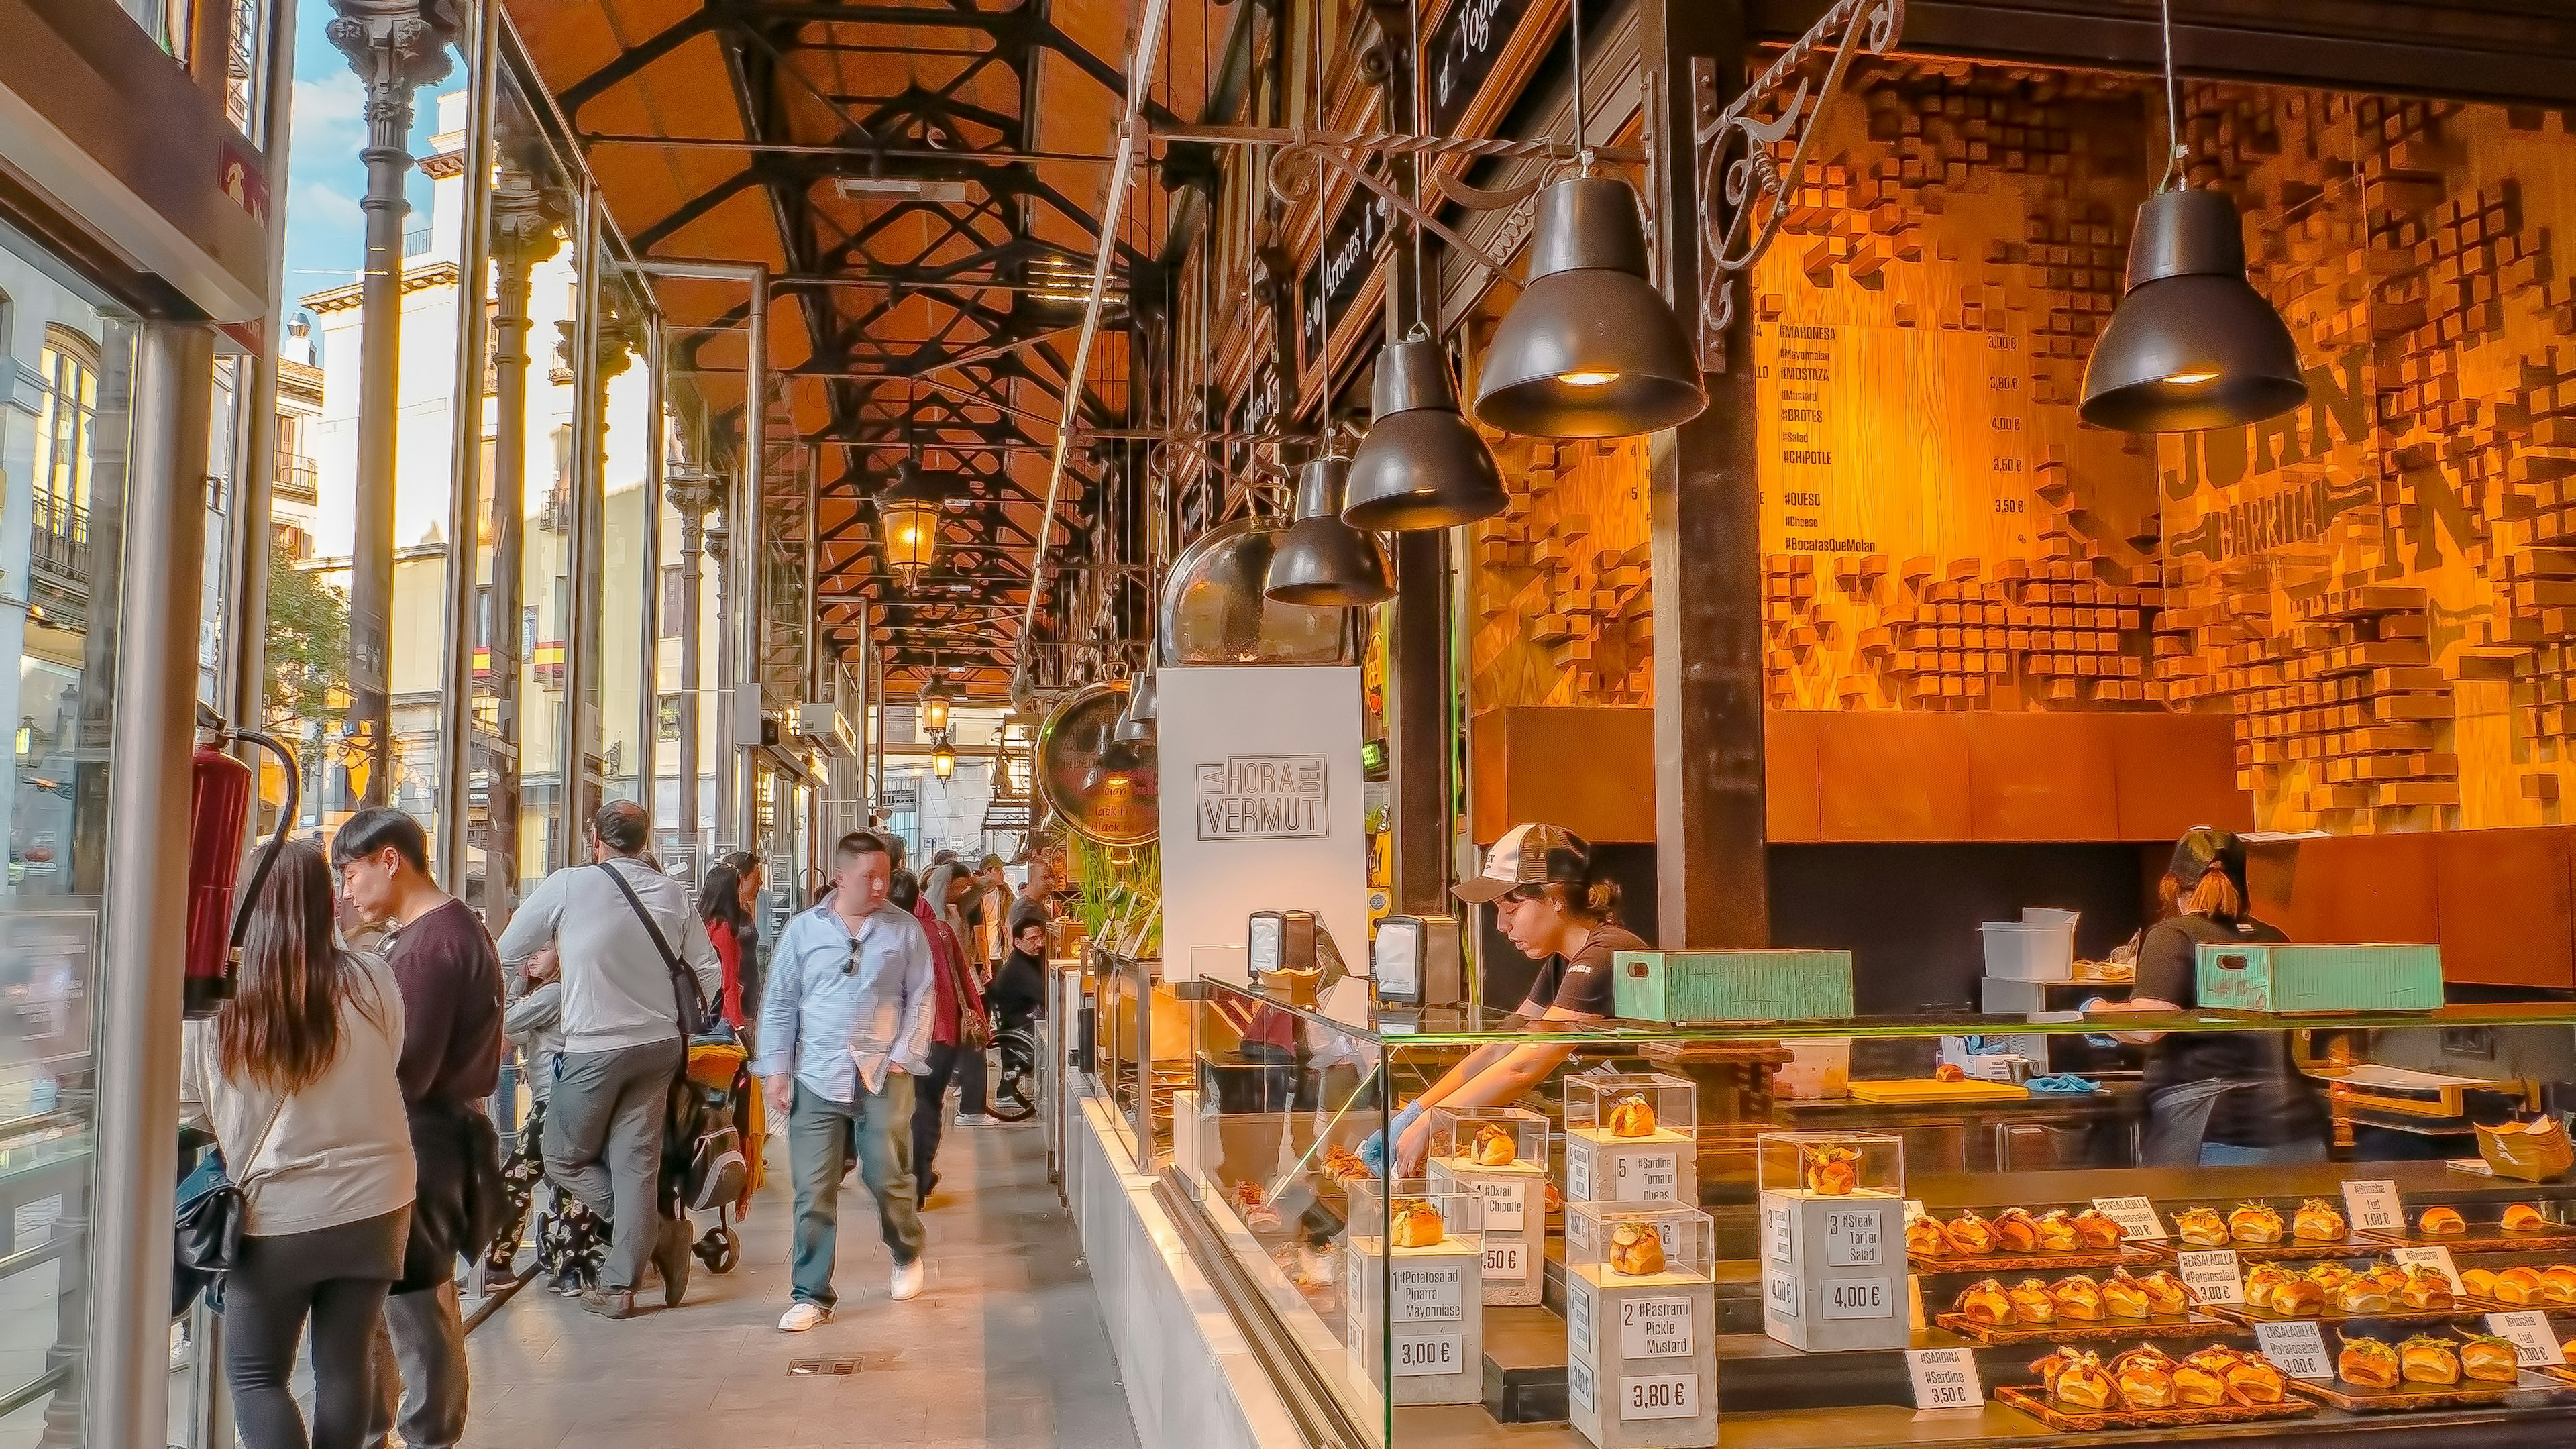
(219, 796)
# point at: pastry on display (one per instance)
(2361, 1295)
(2299, 1298)
(1632, 1116)
(2330, 1276)
(2145, 1378)
(2123, 1297)
(2478, 1282)
(2518, 1287)
(2095, 1230)
(1972, 1235)
(2425, 1359)
(2166, 1294)
(1636, 1249)
(2057, 1232)
(1835, 1171)
(2201, 1227)
(2254, 1223)
(2558, 1284)
(1416, 1224)
(2523, 1217)
(1256, 1212)
(2262, 1281)
(2489, 1358)
(2059, 1360)
(1344, 1166)
(2254, 1380)
(2317, 1221)
(1924, 1238)
(2388, 1275)
(2441, 1222)
(2032, 1302)
(2367, 1363)
(2425, 1288)
(1949, 1072)
(2079, 1298)
(2015, 1232)
(1985, 1301)
(1495, 1147)
(2199, 1387)
(2083, 1383)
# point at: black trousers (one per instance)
(336, 1277)
(930, 1100)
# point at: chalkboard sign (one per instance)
(1348, 257)
(1462, 48)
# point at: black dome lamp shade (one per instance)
(1422, 465)
(2193, 345)
(1591, 349)
(1321, 560)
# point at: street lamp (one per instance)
(943, 758)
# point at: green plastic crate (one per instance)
(2320, 978)
(1671, 986)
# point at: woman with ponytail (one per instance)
(1560, 911)
(295, 1075)
(2214, 1097)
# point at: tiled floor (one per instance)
(1005, 1347)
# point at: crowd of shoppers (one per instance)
(347, 1089)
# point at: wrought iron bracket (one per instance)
(1742, 186)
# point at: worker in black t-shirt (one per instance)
(1553, 906)
(2214, 1097)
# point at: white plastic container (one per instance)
(1818, 1069)
(2030, 950)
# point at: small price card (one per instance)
(2374, 1206)
(2297, 1348)
(2430, 1257)
(1673, 1396)
(2135, 1215)
(2213, 1274)
(1780, 1230)
(1507, 1260)
(2534, 1346)
(1852, 1239)
(1913, 1208)
(1945, 1380)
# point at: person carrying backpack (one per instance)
(639, 973)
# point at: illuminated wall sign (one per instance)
(1350, 249)
(1463, 47)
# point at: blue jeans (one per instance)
(820, 1135)
(2220, 1154)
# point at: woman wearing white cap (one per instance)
(1551, 905)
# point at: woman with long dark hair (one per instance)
(295, 1076)
(724, 903)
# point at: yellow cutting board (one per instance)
(1924, 1089)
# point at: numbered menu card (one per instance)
(1641, 1326)
(1414, 1310)
(1833, 1241)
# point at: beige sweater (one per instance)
(340, 1151)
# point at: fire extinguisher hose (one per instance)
(285, 823)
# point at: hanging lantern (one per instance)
(943, 758)
(1591, 349)
(1321, 560)
(1422, 464)
(908, 521)
(934, 706)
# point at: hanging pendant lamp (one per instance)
(1422, 465)
(1591, 350)
(1321, 560)
(908, 521)
(2192, 344)
(943, 758)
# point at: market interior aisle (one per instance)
(1005, 1347)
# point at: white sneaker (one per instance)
(908, 1280)
(802, 1317)
(978, 1119)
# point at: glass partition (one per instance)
(2131, 1225)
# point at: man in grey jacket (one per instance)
(622, 1046)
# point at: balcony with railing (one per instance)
(296, 479)
(58, 537)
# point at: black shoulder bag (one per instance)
(695, 1020)
(209, 1225)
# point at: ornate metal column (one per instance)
(455, 745)
(691, 493)
(395, 49)
(611, 341)
(525, 231)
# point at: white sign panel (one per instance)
(1851, 1239)
(1655, 1327)
(2534, 1346)
(1264, 763)
(2297, 1349)
(2435, 1258)
(2215, 1275)
(1427, 1293)
(1945, 1378)
(2374, 1206)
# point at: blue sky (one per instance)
(325, 232)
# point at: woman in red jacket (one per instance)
(725, 903)
(957, 1034)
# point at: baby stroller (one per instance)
(711, 1157)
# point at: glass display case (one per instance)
(1775, 1266)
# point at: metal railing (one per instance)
(296, 478)
(58, 536)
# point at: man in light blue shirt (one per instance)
(845, 1023)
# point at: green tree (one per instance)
(308, 641)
